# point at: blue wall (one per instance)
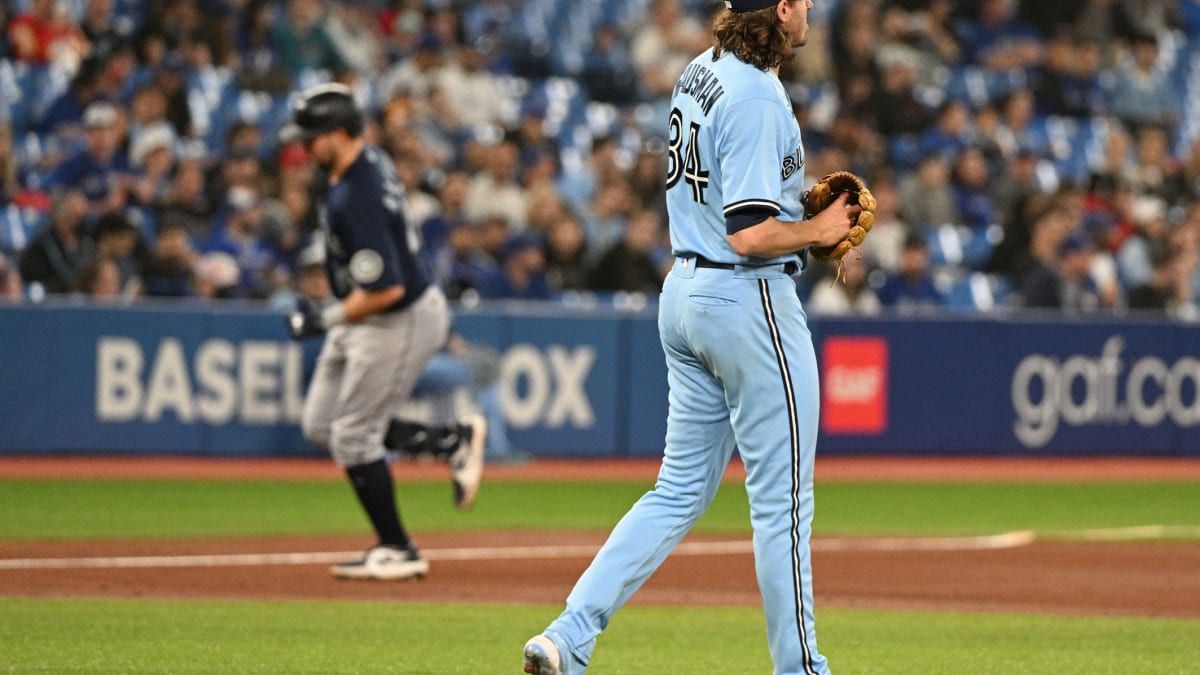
(216, 381)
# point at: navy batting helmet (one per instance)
(322, 109)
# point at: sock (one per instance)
(373, 485)
(416, 439)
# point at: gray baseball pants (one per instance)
(366, 371)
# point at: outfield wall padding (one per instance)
(225, 381)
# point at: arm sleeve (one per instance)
(747, 217)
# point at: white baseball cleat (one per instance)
(466, 464)
(386, 563)
(542, 656)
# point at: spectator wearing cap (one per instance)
(1079, 290)
(910, 287)
(152, 163)
(309, 282)
(1136, 254)
(53, 257)
(522, 272)
(98, 168)
(415, 76)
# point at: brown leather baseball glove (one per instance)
(824, 193)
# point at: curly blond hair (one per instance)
(757, 38)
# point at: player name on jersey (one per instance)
(701, 84)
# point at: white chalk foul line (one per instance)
(740, 546)
(1131, 533)
(994, 541)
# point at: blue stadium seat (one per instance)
(977, 292)
(960, 246)
(17, 227)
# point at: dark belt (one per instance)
(789, 268)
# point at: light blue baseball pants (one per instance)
(742, 372)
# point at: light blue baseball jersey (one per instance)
(725, 108)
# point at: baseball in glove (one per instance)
(823, 194)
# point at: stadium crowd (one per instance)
(1039, 155)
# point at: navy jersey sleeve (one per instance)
(368, 229)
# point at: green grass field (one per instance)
(205, 636)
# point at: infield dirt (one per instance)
(1127, 578)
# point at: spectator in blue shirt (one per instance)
(971, 184)
(950, 132)
(997, 40)
(1142, 94)
(522, 273)
(99, 168)
(261, 271)
(911, 285)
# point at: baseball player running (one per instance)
(386, 325)
(740, 361)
